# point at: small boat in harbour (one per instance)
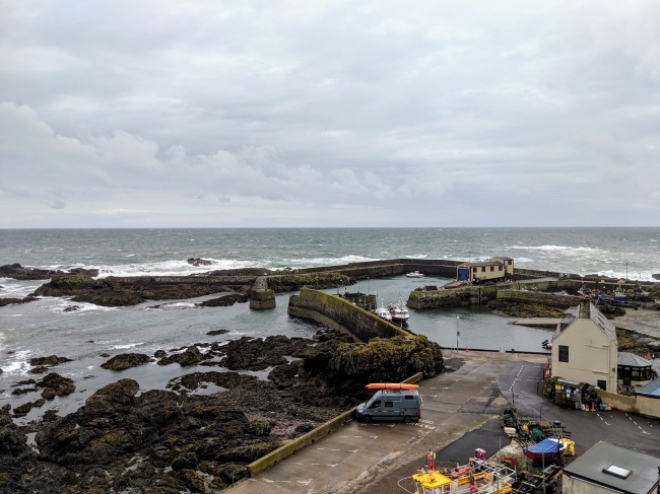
(399, 312)
(382, 311)
(415, 274)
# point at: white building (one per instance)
(493, 269)
(584, 348)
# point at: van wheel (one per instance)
(407, 419)
(367, 418)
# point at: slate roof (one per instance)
(596, 317)
(632, 360)
(482, 263)
(652, 389)
(601, 321)
(643, 467)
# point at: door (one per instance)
(463, 274)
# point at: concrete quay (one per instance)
(352, 457)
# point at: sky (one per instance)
(329, 113)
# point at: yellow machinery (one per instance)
(480, 478)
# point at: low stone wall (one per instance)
(336, 313)
(312, 436)
(453, 297)
(551, 299)
(642, 405)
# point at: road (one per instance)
(588, 428)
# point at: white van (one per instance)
(391, 404)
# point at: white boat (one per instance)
(415, 274)
(384, 313)
(399, 311)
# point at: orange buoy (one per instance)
(466, 349)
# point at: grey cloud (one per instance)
(410, 112)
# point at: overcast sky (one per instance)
(310, 113)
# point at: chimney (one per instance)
(585, 310)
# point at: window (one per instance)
(492, 268)
(509, 262)
(499, 268)
(409, 397)
(563, 353)
(389, 404)
(483, 269)
(602, 384)
(375, 404)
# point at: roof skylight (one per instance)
(622, 473)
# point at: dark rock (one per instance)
(56, 385)
(196, 261)
(1, 371)
(50, 416)
(217, 332)
(24, 383)
(22, 391)
(224, 301)
(185, 460)
(41, 369)
(71, 308)
(23, 410)
(191, 356)
(9, 301)
(18, 272)
(126, 361)
(125, 291)
(160, 353)
(50, 360)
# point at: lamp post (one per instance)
(458, 333)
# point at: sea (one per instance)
(43, 327)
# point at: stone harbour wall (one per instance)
(552, 299)
(337, 313)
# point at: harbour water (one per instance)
(43, 327)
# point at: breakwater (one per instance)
(520, 291)
(340, 314)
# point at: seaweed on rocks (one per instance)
(10, 301)
(55, 385)
(321, 280)
(175, 440)
(18, 272)
(224, 301)
(50, 360)
(217, 332)
(126, 361)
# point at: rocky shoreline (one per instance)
(167, 441)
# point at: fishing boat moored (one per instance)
(399, 312)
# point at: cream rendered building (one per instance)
(584, 348)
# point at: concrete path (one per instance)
(351, 457)
(538, 322)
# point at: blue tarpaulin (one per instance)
(547, 446)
